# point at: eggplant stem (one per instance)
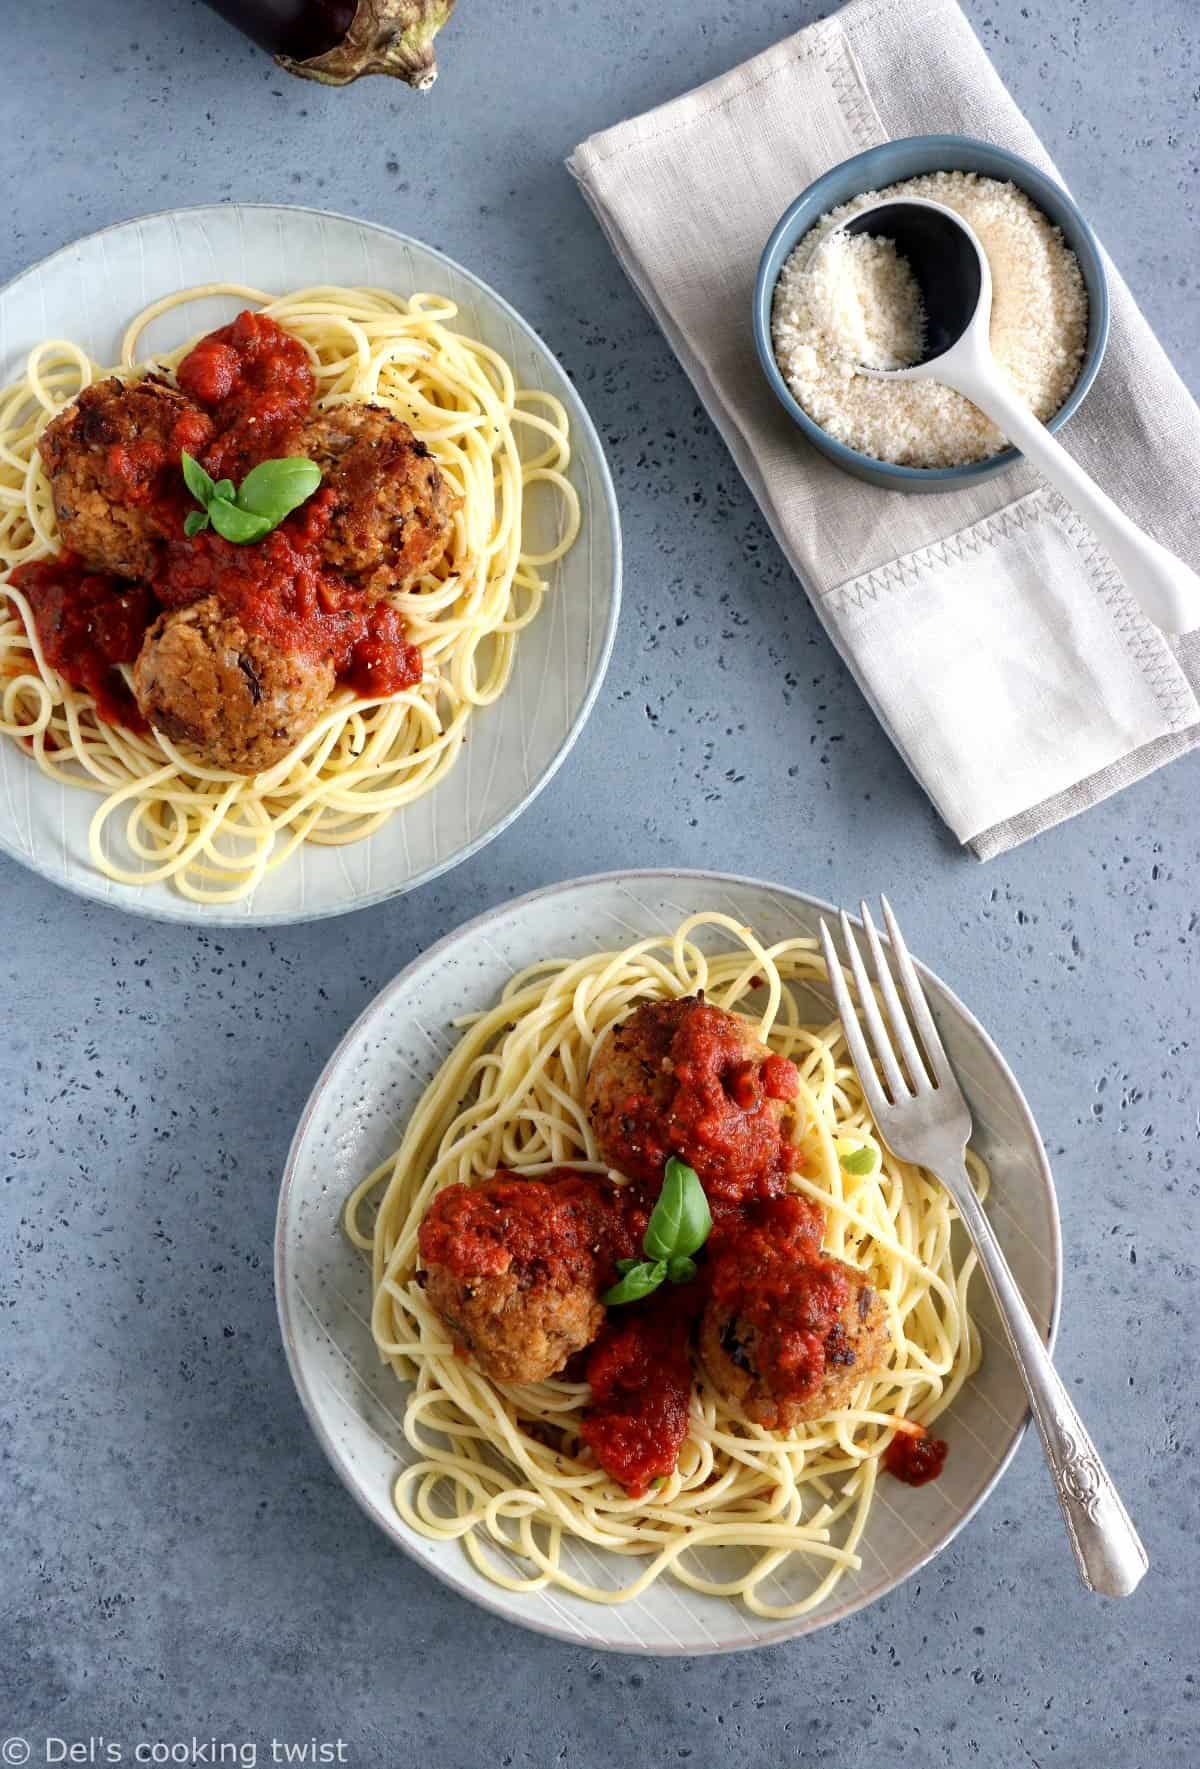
(393, 37)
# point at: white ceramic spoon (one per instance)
(952, 270)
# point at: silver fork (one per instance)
(926, 1121)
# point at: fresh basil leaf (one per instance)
(681, 1269)
(225, 488)
(197, 480)
(624, 1265)
(681, 1220)
(194, 521)
(858, 1161)
(237, 525)
(641, 1280)
(275, 488)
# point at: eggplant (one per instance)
(338, 40)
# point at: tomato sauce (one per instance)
(88, 624)
(640, 1373)
(567, 1218)
(720, 1115)
(257, 381)
(766, 1271)
(915, 1459)
(146, 470)
(719, 1118)
(254, 383)
(278, 587)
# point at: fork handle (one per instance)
(1107, 1548)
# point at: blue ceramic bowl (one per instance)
(889, 164)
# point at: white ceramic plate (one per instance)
(355, 1119)
(89, 292)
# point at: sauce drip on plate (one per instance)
(915, 1460)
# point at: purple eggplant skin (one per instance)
(298, 29)
(337, 41)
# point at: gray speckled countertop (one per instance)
(179, 1560)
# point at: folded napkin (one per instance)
(998, 647)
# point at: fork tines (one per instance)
(924, 1070)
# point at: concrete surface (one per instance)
(180, 1561)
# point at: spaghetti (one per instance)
(215, 834)
(502, 1467)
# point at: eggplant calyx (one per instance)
(385, 37)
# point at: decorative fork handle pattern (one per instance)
(1107, 1548)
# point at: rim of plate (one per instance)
(390, 1522)
(221, 915)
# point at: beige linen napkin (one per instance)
(990, 634)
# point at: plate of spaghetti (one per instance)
(604, 1298)
(309, 564)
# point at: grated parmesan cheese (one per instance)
(866, 300)
(858, 302)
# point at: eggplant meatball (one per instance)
(112, 458)
(233, 698)
(788, 1332)
(514, 1267)
(687, 1079)
(393, 511)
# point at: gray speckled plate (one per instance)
(355, 1118)
(90, 291)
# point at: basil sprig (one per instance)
(679, 1225)
(267, 494)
